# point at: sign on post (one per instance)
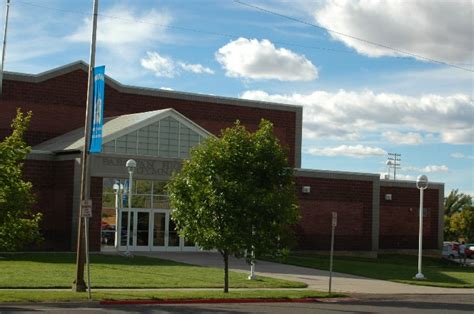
(86, 208)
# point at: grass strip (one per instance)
(392, 267)
(69, 296)
(57, 270)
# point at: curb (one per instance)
(211, 301)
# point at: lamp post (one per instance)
(421, 184)
(118, 189)
(131, 165)
(252, 263)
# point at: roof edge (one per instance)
(148, 91)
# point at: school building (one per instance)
(157, 128)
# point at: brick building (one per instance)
(157, 128)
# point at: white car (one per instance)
(450, 250)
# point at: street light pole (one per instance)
(421, 184)
(131, 165)
(252, 263)
(118, 189)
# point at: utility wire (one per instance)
(194, 30)
(350, 36)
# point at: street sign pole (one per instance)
(87, 214)
(333, 226)
(79, 284)
(4, 46)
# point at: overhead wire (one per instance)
(401, 51)
(181, 28)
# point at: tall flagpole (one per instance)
(4, 46)
(79, 284)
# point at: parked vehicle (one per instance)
(451, 250)
(470, 250)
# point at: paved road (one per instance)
(315, 279)
(360, 304)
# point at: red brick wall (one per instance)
(351, 199)
(53, 188)
(58, 107)
(399, 218)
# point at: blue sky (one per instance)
(360, 100)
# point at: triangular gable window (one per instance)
(164, 138)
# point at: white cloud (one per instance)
(124, 33)
(195, 68)
(435, 169)
(357, 151)
(261, 60)
(428, 169)
(434, 29)
(163, 66)
(349, 115)
(461, 156)
(166, 88)
(132, 28)
(409, 138)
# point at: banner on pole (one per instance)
(98, 73)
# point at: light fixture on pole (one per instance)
(421, 184)
(131, 165)
(118, 190)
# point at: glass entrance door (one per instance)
(159, 229)
(151, 230)
(141, 229)
(124, 232)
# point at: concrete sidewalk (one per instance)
(315, 279)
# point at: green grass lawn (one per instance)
(61, 296)
(398, 268)
(57, 270)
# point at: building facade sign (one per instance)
(113, 166)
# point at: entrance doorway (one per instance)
(151, 230)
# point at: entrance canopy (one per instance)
(160, 133)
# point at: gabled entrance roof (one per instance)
(116, 127)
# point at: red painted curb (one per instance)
(200, 301)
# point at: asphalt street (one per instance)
(358, 304)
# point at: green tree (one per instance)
(236, 194)
(18, 226)
(461, 224)
(455, 201)
(457, 207)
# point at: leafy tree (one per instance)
(458, 216)
(461, 224)
(455, 201)
(236, 195)
(18, 226)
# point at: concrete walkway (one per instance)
(315, 279)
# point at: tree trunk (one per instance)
(226, 272)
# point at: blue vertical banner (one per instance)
(98, 73)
